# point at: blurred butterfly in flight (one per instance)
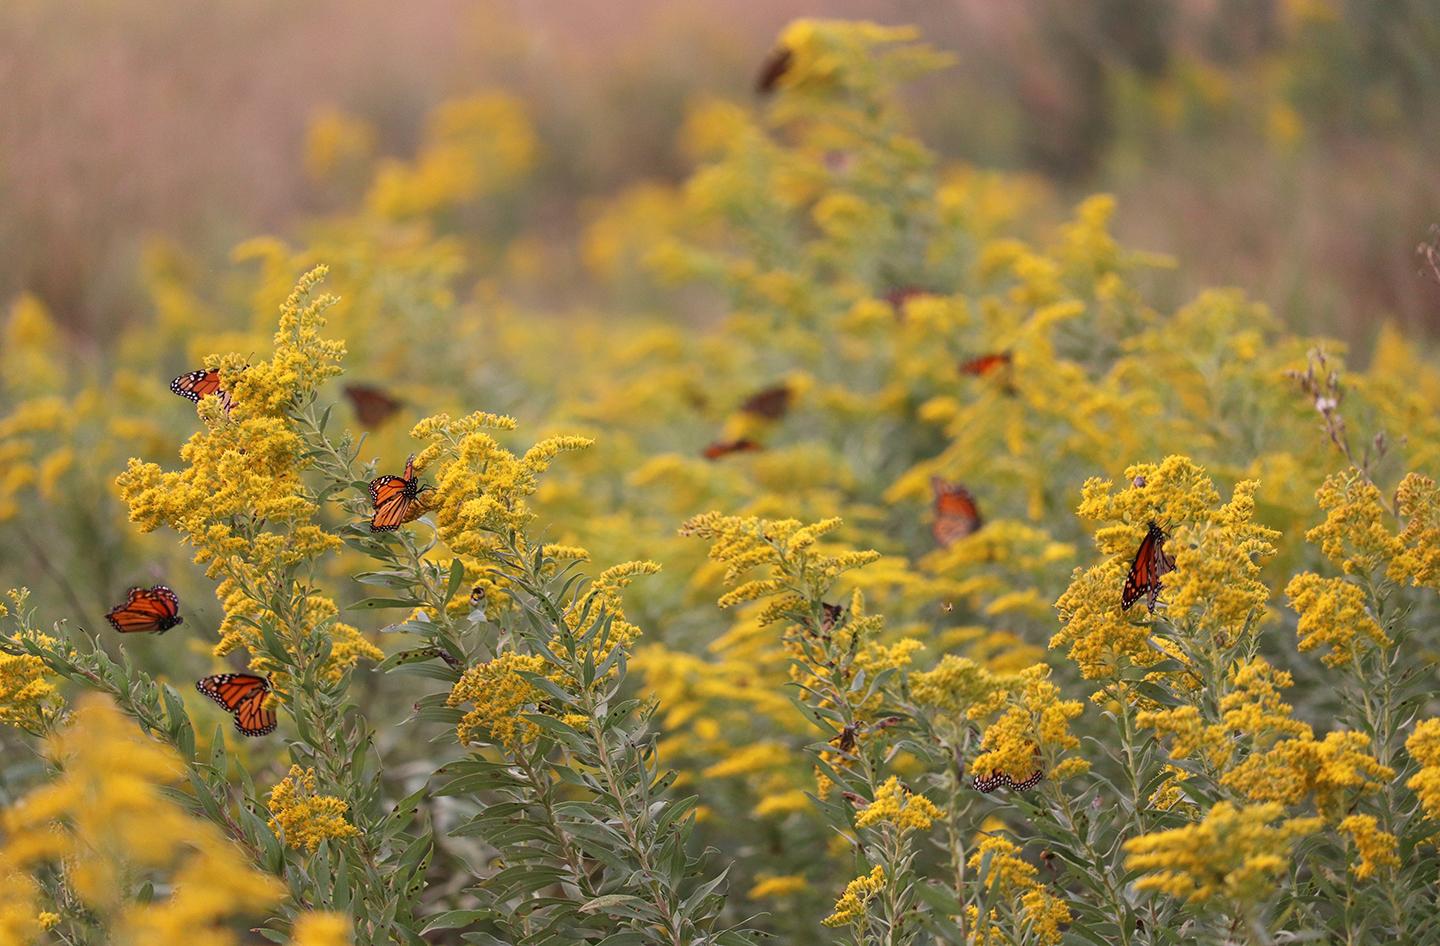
(956, 514)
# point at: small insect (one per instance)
(956, 513)
(772, 403)
(844, 740)
(1150, 565)
(373, 406)
(772, 70)
(477, 596)
(196, 384)
(986, 365)
(830, 615)
(396, 499)
(146, 609)
(243, 695)
(723, 448)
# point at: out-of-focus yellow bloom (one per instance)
(771, 886)
(850, 908)
(336, 142)
(894, 804)
(1333, 612)
(108, 819)
(960, 685)
(1375, 849)
(302, 816)
(1233, 853)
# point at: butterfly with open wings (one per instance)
(154, 609)
(244, 696)
(956, 513)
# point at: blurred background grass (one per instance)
(1286, 146)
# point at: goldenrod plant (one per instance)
(932, 583)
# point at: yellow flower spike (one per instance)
(498, 694)
(1011, 875)
(1032, 732)
(1424, 747)
(1233, 853)
(302, 816)
(1418, 563)
(960, 685)
(1334, 771)
(1354, 534)
(850, 908)
(773, 886)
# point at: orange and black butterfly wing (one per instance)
(986, 364)
(372, 405)
(723, 448)
(243, 695)
(1150, 564)
(392, 496)
(956, 512)
(146, 609)
(197, 384)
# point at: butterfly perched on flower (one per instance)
(722, 448)
(830, 615)
(373, 406)
(396, 499)
(146, 609)
(1150, 565)
(243, 695)
(956, 514)
(772, 403)
(772, 70)
(196, 384)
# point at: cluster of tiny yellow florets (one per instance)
(851, 907)
(1233, 853)
(1354, 534)
(498, 695)
(1374, 848)
(1013, 877)
(1333, 612)
(961, 686)
(28, 697)
(108, 819)
(895, 805)
(1424, 747)
(1333, 770)
(1032, 732)
(303, 816)
(1418, 561)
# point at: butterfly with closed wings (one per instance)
(244, 696)
(1151, 564)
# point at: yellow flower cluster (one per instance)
(1333, 770)
(498, 695)
(1011, 876)
(1418, 561)
(1375, 848)
(1333, 612)
(28, 697)
(895, 805)
(302, 816)
(1424, 747)
(1233, 853)
(108, 819)
(850, 908)
(1250, 709)
(1354, 534)
(960, 685)
(1032, 732)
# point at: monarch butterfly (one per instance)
(146, 609)
(196, 384)
(987, 364)
(1150, 565)
(396, 499)
(996, 780)
(956, 514)
(243, 695)
(372, 405)
(772, 403)
(721, 448)
(772, 70)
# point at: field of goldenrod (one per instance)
(928, 582)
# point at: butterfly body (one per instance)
(154, 609)
(396, 499)
(956, 512)
(243, 695)
(1151, 564)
